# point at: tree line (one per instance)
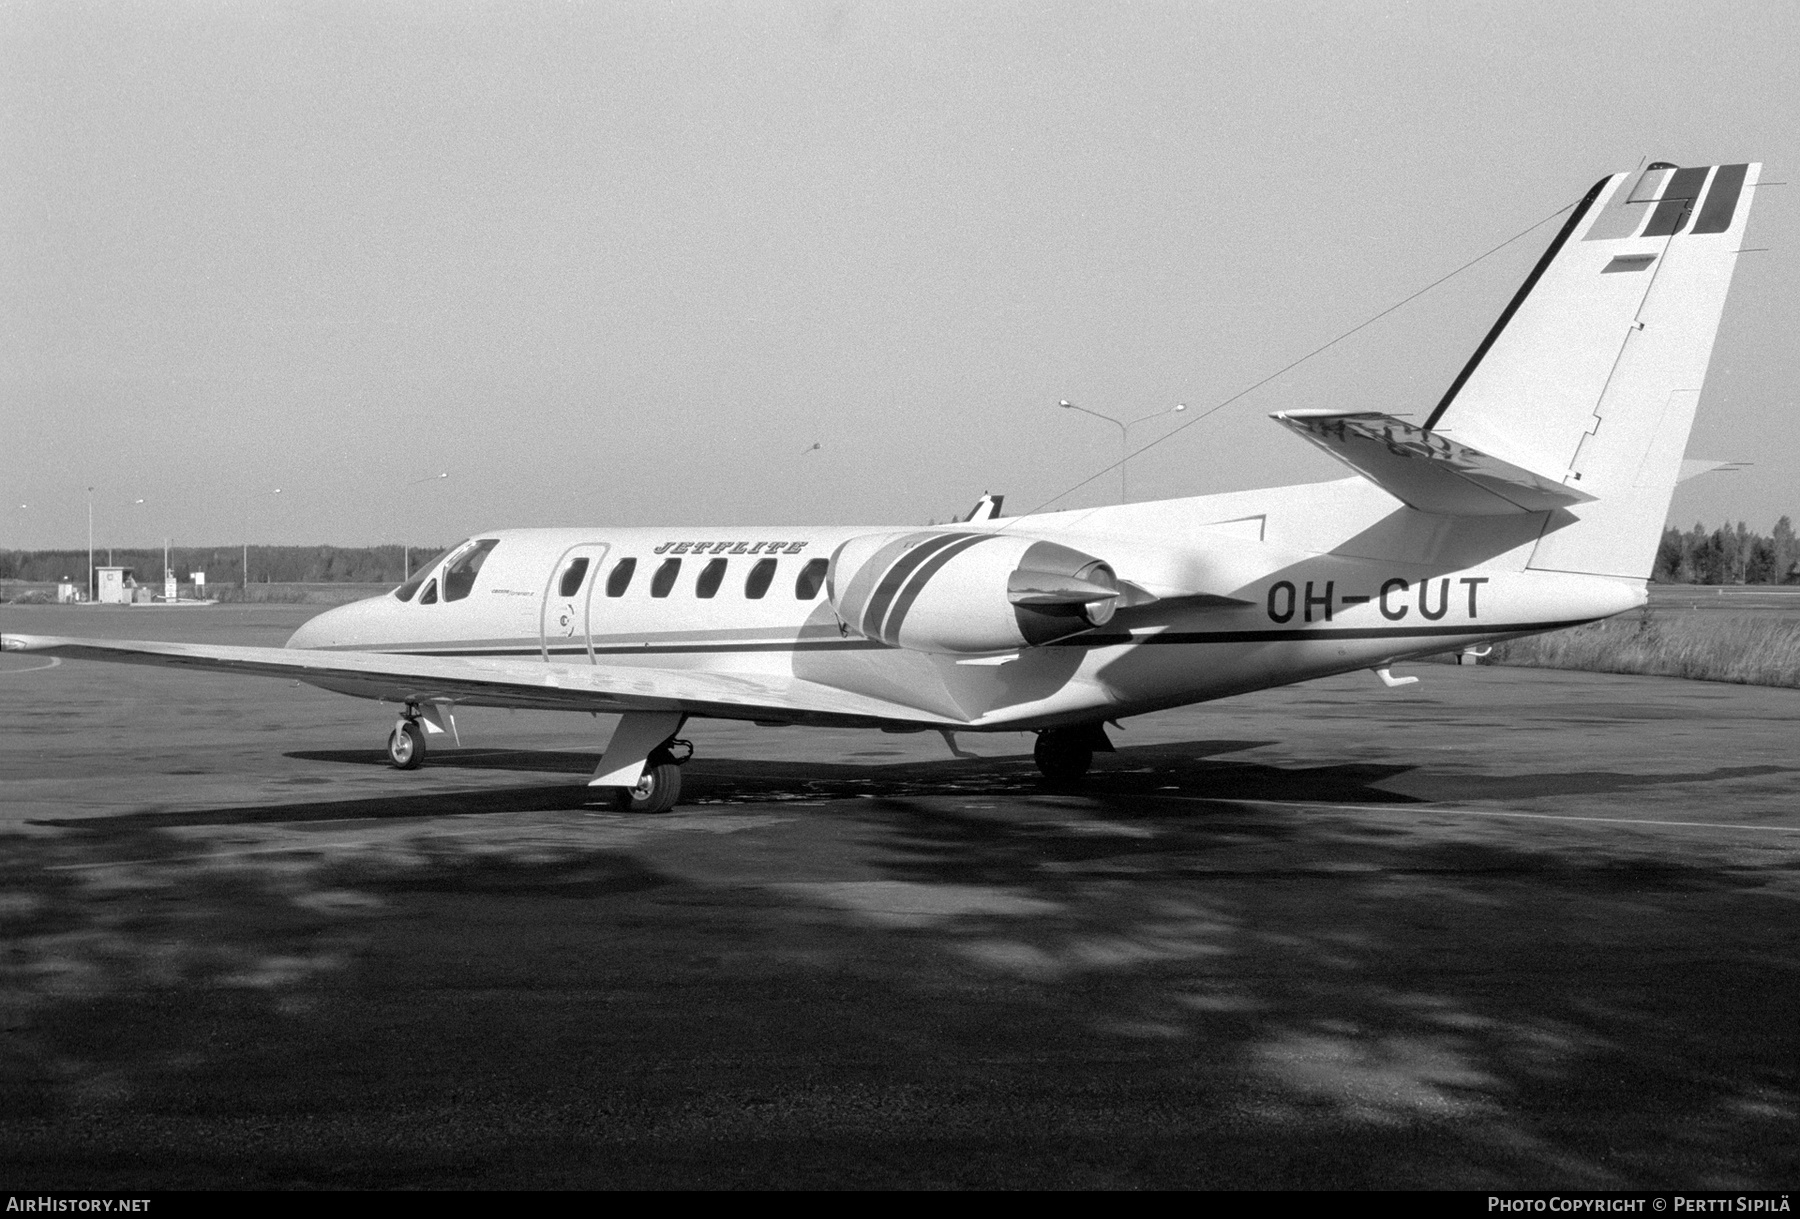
(1728, 555)
(224, 565)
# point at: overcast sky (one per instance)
(628, 263)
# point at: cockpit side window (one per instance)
(429, 596)
(572, 578)
(761, 576)
(459, 577)
(419, 573)
(664, 579)
(711, 576)
(811, 577)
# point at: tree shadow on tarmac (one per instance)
(1407, 1007)
(928, 983)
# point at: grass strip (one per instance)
(1702, 647)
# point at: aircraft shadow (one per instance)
(1186, 768)
(1139, 774)
(1168, 781)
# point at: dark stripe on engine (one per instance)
(891, 629)
(1678, 200)
(1721, 200)
(1537, 273)
(904, 566)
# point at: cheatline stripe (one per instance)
(1283, 635)
(895, 576)
(891, 628)
(1294, 634)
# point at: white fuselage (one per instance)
(1253, 590)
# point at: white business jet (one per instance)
(1531, 499)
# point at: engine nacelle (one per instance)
(968, 593)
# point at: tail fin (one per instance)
(1592, 373)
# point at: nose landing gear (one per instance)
(406, 744)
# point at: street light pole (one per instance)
(90, 573)
(1124, 433)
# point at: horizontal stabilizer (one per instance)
(1428, 471)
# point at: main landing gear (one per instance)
(642, 763)
(1063, 755)
(659, 787)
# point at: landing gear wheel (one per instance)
(1062, 756)
(656, 792)
(406, 745)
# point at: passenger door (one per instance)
(562, 624)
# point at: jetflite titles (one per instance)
(731, 548)
(1397, 599)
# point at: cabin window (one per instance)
(759, 579)
(429, 596)
(620, 579)
(664, 580)
(711, 576)
(572, 578)
(419, 573)
(459, 577)
(811, 578)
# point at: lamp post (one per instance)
(90, 579)
(1124, 427)
(406, 547)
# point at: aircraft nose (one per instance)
(345, 626)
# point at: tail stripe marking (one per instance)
(1677, 202)
(1621, 217)
(1721, 201)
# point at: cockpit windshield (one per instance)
(405, 591)
(459, 577)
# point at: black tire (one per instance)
(656, 792)
(1061, 758)
(406, 746)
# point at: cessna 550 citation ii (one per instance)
(1532, 498)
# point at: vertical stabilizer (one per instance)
(1592, 374)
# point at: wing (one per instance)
(507, 682)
